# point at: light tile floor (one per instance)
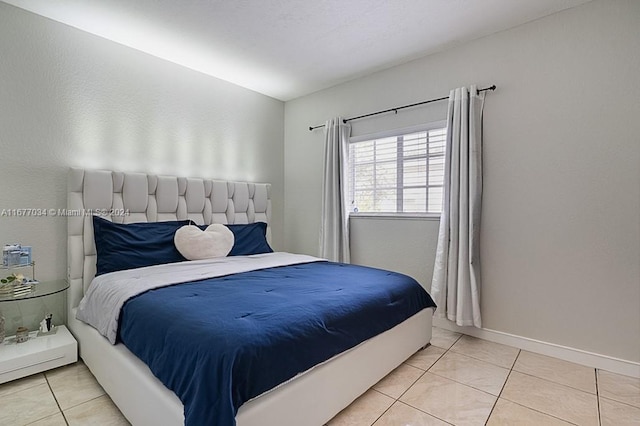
(458, 380)
(461, 380)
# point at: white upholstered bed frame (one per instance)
(310, 399)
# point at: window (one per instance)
(400, 173)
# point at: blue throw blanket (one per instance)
(219, 342)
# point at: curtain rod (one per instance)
(396, 109)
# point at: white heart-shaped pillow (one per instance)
(195, 244)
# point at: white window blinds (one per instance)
(398, 174)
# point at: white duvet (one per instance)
(107, 293)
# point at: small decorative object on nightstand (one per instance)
(16, 255)
(22, 334)
(46, 326)
(16, 284)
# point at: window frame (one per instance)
(396, 133)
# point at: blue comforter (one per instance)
(219, 342)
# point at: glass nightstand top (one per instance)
(44, 288)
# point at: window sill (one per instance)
(396, 216)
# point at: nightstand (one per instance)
(38, 353)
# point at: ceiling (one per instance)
(290, 48)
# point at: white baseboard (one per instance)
(590, 359)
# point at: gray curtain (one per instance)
(334, 227)
(456, 276)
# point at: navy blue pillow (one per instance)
(134, 245)
(250, 238)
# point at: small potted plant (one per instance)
(13, 279)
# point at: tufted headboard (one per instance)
(138, 197)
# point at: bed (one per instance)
(311, 397)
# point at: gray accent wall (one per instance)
(561, 217)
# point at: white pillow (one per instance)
(195, 244)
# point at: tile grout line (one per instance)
(56, 399)
(81, 364)
(465, 384)
(413, 383)
(542, 412)
(628, 404)
(19, 390)
(472, 386)
(555, 383)
(503, 386)
(439, 358)
(387, 409)
(598, 398)
(511, 370)
(570, 386)
(428, 414)
(484, 360)
(425, 372)
(450, 349)
(535, 409)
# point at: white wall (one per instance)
(561, 216)
(68, 98)
(405, 245)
